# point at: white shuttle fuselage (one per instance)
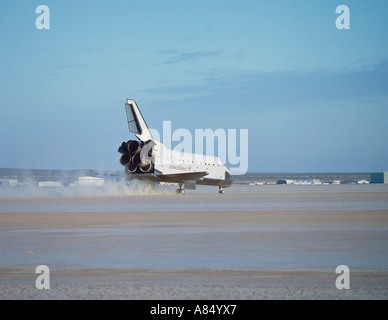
(151, 160)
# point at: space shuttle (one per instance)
(149, 160)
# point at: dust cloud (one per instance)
(110, 188)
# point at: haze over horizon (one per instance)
(314, 98)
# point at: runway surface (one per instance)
(253, 242)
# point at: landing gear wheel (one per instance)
(180, 190)
(221, 190)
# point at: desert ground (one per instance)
(253, 242)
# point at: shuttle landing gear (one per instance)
(221, 190)
(180, 190)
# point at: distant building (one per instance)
(308, 181)
(43, 184)
(332, 182)
(285, 181)
(362, 181)
(379, 177)
(256, 183)
(91, 181)
(8, 182)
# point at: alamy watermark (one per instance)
(343, 280)
(43, 280)
(343, 20)
(43, 20)
(207, 146)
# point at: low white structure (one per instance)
(256, 183)
(332, 182)
(8, 182)
(91, 181)
(285, 181)
(168, 183)
(360, 181)
(308, 181)
(49, 184)
(335, 182)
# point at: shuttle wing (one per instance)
(180, 177)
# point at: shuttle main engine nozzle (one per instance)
(133, 146)
(125, 159)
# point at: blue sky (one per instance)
(314, 98)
